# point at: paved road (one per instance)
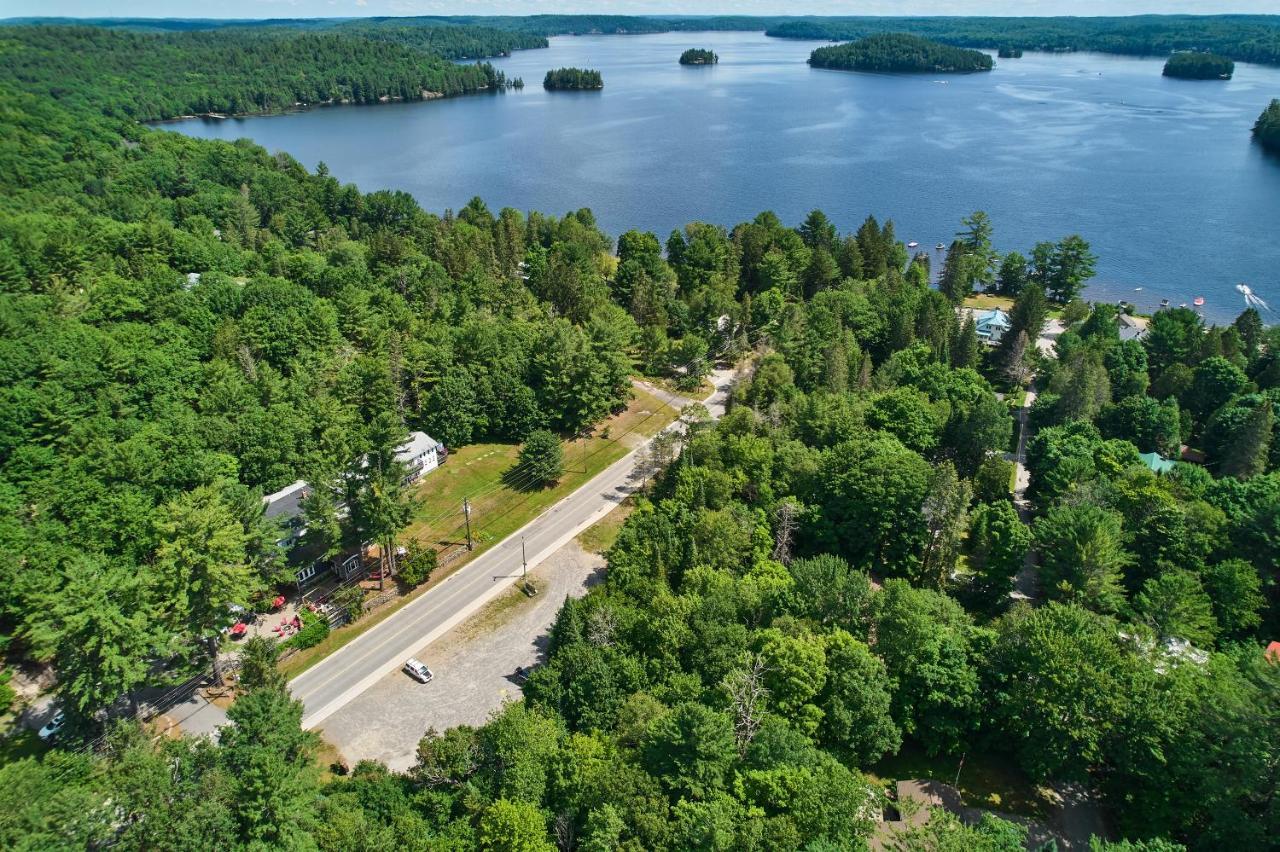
(339, 678)
(474, 667)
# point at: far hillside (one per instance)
(899, 52)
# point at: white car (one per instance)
(51, 728)
(418, 670)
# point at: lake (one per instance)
(1159, 175)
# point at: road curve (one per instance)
(340, 677)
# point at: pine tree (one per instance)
(1247, 455)
(965, 346)
(955, 281)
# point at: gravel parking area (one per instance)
(473, 666)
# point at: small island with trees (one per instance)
(1197, 65)
(1267, 129)
(899, 52)
(1008, 52)
(699, 56)
(573, 79)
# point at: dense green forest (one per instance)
(1267, 128)
(699, 56)
(818, 581)
(571, 79)
(1244, 38)
(899, 52)
(447, 42)
(147, 76)
(1194, 65)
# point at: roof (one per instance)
(993, 317)
(1156, 462)
(1273, 652)
(287, 502)
(418, 443)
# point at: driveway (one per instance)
(473, 665)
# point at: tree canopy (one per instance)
(899, 52)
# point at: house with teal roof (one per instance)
(1158, 463)
(992, 325)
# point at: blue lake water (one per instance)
(1160, 175)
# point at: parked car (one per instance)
(418, 670)
(50, 731)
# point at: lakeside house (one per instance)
(992, 325)
(1131, 327)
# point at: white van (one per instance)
(418, 670)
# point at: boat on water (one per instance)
(1137, 289)
(912, 244)
(1198, 301)
(1164, 303)
(939, 246)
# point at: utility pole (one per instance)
(466, 511)
(529, 588)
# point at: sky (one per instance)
(361, 8)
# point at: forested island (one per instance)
(572, 79)
(698, 56)
(1194, 65)
(1267, 128)
(811, 588)
(899, 52)
(1244, 38)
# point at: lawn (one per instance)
(985, 302)
(601, 535)
(985, 781)
(497, 509)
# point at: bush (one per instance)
(314, 629)
(418, 564)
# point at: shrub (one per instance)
(314, 629)
(418, 564)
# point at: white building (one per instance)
(991, 325)
(420, 455)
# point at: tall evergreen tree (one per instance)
(956, 281)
